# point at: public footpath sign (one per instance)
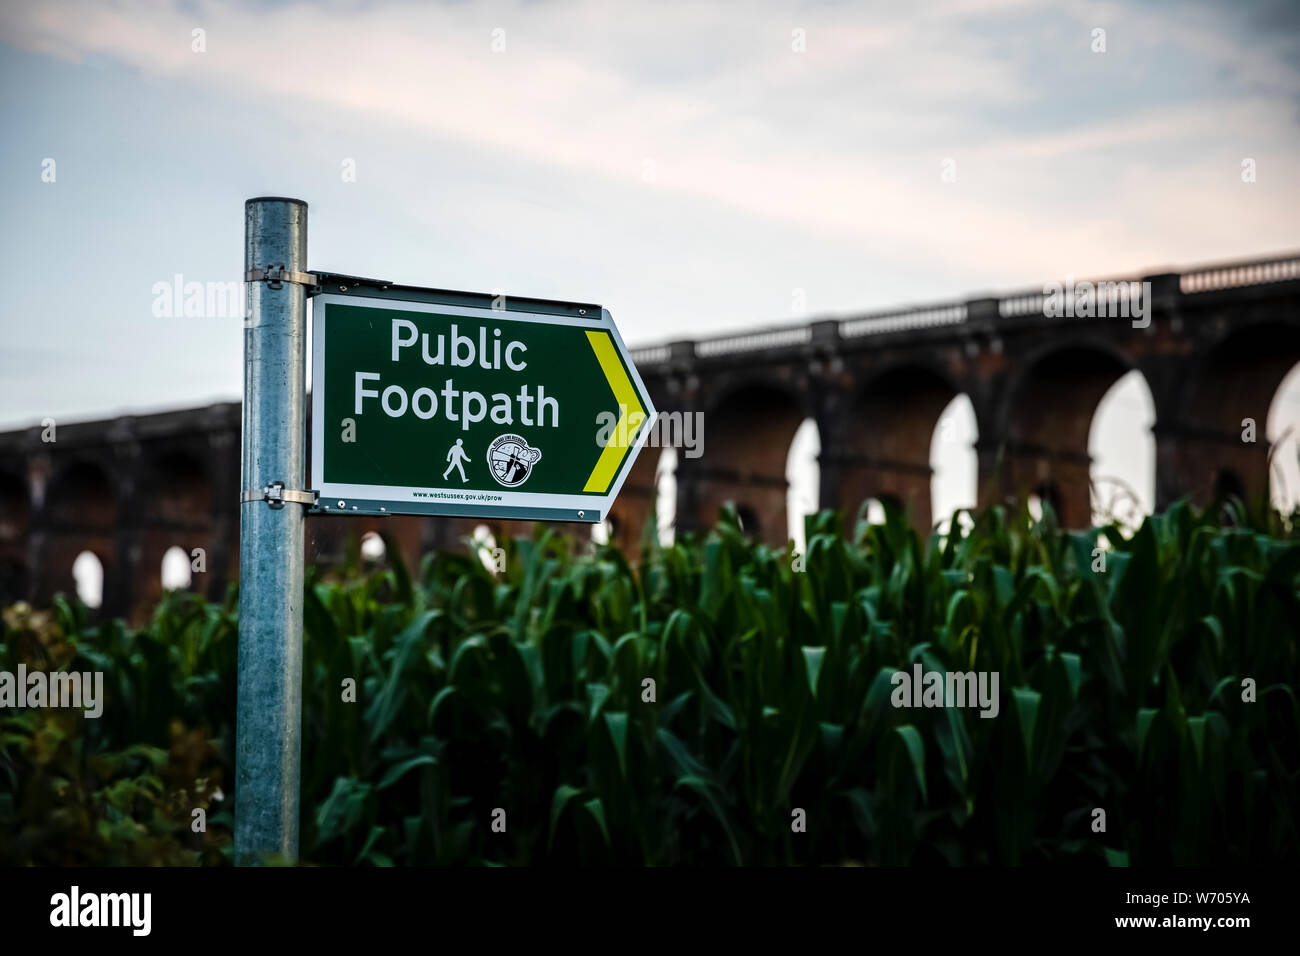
(424, 401)
(446, 403)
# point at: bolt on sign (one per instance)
(448, 403)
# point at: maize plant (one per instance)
(716, 702)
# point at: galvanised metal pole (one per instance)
(268, 739)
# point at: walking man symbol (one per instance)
(456, 455)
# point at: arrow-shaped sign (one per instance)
(429, 402)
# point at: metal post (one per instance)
(268, 739)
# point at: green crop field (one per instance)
(684, 707)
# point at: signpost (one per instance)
(268, 718)
(424, 401)
(427, 402)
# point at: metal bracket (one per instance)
(276, 275)
(341, 282)
(275, 495)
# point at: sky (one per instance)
(697, 167)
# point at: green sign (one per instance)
(424, 407)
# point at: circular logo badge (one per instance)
(511, 460)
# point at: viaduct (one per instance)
(1214, 343)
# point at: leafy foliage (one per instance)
(119, 789)
(525, 691)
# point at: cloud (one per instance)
(845, 141)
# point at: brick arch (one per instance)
(174, 505)
(1049, 493)
(790, 387)
(15, 508)
(1236, 378)
(177, 490)
(15, 522)
(878, 446)
(80, 514)
(636, 501)
(82, 494)
(1283, 448)
(1228, 484)
(1249, 361)
(1044, 420)
(748, 430)
(329, 538)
